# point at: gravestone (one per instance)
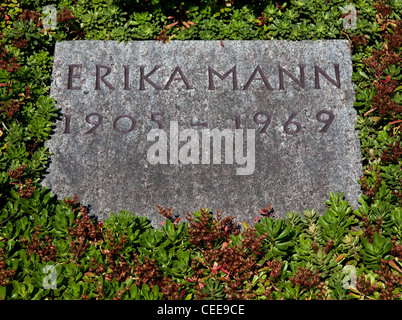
(231, 126)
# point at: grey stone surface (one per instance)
(108, 167)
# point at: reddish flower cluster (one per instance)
(370, 191)
(263, 19)
(162, 36)
(393, 153)
(390, 282)
(358, 40)
(276, 268)
(31, 146)
(396, 249)
(252, 241)
(365, 286)
(118, 267)
(31, 15)
(229, 264)
(5, 273)
(67, 18)
(383, 9)
(10, 107)
(19, 43)
(368, 229)
(17, 173)
(325, 249)
(378, 62)
(305, 278)
(43, 248)
(115, 265)
(71, 202)
(83, 233)
(7, 63)
(25, 189)
(205, 231)
(167, 213)
(147, 272)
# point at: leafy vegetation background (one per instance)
(51, 249)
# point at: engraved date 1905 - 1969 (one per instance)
(262, 118)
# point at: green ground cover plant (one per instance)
(51, 249)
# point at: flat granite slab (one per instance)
(230, 126)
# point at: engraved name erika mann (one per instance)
(147, 81)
